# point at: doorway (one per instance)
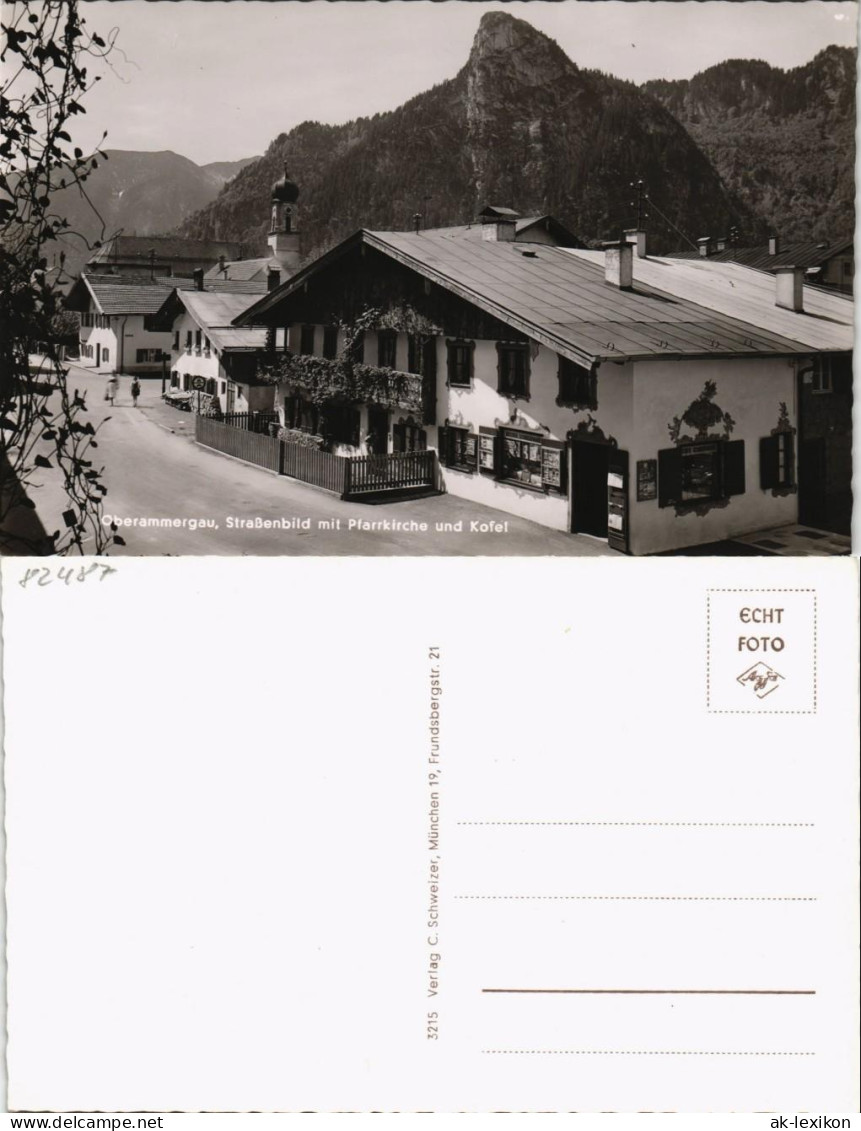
(377, 439)
(811, 483)
(590, 464)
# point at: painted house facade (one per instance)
(204, 344)
(117, 332)
(557, 384)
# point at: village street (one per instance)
(154, 470)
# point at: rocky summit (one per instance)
(521, 126)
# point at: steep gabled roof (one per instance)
(113, 294)
(558, 297)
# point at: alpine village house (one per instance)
(659, 403)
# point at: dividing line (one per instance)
(797, 993)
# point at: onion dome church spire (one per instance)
(283, 231)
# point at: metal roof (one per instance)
(806, 254)
(214, 312)
(559, 297)
(522, 229)
(730, 289)
(165, 247)
(238, 286)
(111, 294)
(243, 269)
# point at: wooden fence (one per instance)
(347, 476)
(264, 451)
(391, 472)
(320, 469)
(251, 421)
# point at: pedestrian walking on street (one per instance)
(136, 391)
(112, 388)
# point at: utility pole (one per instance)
(639, 187)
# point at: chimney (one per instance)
(417, 221)
(774, 245)
(790, 288)
(704, 245)
(498, 224)
(721, 243)
(198, 278)
(222, 265)
(273, 279)
(619, 264)
(637, 238)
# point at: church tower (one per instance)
(283, 233)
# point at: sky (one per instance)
(217, 81)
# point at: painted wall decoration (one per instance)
(702, 420)
(589, 429)
(701, 434)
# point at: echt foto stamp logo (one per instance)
(761, 679)
(761, 651)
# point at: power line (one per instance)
(669, 221)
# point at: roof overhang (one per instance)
(369, 239)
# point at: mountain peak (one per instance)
(505, 38)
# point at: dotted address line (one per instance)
(679, 898)
(635, 1052)
(661, 824)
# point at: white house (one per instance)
(593, 392)
(117, 332)
(204, 344)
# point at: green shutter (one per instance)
(669, 477)
(733, 468)
(769, 473)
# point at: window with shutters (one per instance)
(306, 339)
(513, 368)
(188, 341)
(459, 362)
(578, 386)
(692, 474)
(701, 472)
(198, 337)
(459, 448)
(330, 342)
(387, 349)
(176, 341)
